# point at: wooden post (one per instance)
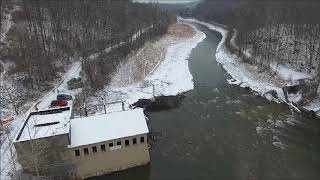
(104, 105)
(85, 110)
(153, 90)
(122, 103)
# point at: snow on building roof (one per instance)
(45, 123)
(105, 127)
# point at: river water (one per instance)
(222, 131)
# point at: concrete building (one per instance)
(109, 142)
(43, 140)
(50, 143)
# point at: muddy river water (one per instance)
(222, 131)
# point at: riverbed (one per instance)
(222, 131)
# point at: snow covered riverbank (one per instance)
(237, 70)
(246, 75)
(167, 75)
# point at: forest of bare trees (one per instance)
(280, 32)
(48, 34)
(247, 15)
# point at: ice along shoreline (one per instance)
(241, 73)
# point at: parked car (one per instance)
(75, 83)
(64, 97)
(59, 103)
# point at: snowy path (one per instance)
(62, 87)
(133, 37)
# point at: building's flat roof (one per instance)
(105, 127)
(41, 124)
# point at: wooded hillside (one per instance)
(48, 34)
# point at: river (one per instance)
(222, 131)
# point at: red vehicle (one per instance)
(59, 103)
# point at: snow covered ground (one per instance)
(168, 77)
(291, 76)
(7, 157)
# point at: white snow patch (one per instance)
(291, 76)
(233, 39)
(314, 105)
(295, 97)
(280, 145)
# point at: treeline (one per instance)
(297, 46)
(247, 15)
(48, 34)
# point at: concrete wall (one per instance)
(49, 156)
(100, 163)
(52, 158)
